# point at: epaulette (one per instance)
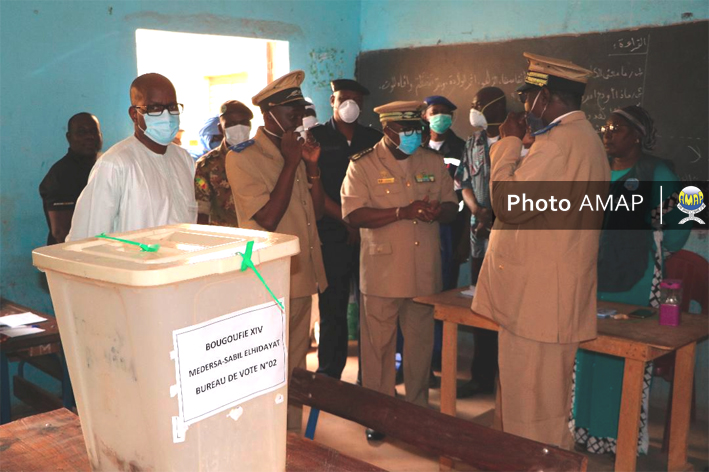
(354, 157)
(241, 146)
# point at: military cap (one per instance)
(282, 91)
(348, 84)
(400, 111)
(231, 106)
(439, 100)
(556, 74)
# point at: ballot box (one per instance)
(177, 353)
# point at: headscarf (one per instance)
(208, 131)
(640, 120)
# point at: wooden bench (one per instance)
(427, 429)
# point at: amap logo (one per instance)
(691, 201)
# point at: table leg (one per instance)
(449, 376)
(681, 407)
(449, 368)
(5, 403)
(629, 422)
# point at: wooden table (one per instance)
(25, 347)
(53, 441)
(637, 341)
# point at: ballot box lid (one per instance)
(185, 252)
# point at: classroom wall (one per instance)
(387, 24)
(59, 58)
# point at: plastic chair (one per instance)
(693, 270)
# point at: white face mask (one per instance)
(348, 111)
(477, 120)
(237, 134)
(309, 122)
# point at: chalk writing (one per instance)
(634, 44)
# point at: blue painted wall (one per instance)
(390, 24)
(62, 57)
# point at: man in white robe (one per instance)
(144, 180)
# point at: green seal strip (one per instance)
(247, 263)
(143, 247)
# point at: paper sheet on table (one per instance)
(20, 319)
(21, 331)
(470, 292)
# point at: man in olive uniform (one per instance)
(397, 193)
(537, 282)
(277, 187)
(339, 138)
(215, 204)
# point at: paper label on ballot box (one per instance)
(226, 361)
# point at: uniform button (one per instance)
(388, 191)
(408, 184)
(416, 222)
(311, 248)
(411, 201)
(379, 249)
(500, 267)
(297, 180)
(308, 223)
(416, 243)
(304, 202)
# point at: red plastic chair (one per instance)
(693, 270)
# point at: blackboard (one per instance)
(664, 69)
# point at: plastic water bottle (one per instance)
(670, 301)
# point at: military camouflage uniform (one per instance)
(212, 188)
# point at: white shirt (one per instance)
(437, 145)
(131, 187)
(492, 140)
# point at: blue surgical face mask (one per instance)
(535, 122)
(163, 128)
(409, 144)
(441, 122)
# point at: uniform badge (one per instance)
(423, 177)
(385, 178)
(201, 183)
(632, 184)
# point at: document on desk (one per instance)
(20, 319)
(20, 331)
(469, 293)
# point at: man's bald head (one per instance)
(497, 110)
(148, 84)
(488, 94)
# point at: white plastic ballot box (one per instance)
(177, 357)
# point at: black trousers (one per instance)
(341, 266)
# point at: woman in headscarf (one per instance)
(633, 246)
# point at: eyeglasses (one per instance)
(410, 131)
(157, 108)
(612, 128)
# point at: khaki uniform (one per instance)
(253, 168)
(398, 262)
(540, 284)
